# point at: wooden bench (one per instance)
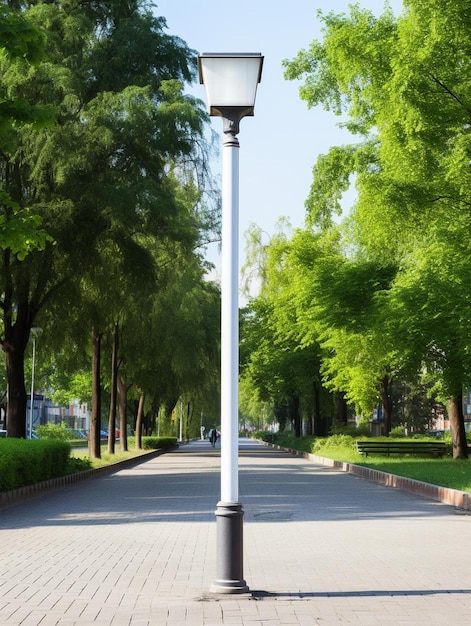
(410, 446)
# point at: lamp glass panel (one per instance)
(230, 81)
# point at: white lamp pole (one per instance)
(231, 85)
(34, 331)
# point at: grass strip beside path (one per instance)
(444, 472)
(83, 459)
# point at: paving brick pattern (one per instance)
(137, 548)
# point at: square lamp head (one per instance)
(230, 81)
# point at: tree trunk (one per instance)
(95, 417)
(311, 421)
(114, 392)
(308, 428)
(294, 406)
(14, 346)
(123, 388)
(341, 409)
(320, 424)
(458, 432)
(140, 413)
(189, 421)
(16, 407)
(387, 404)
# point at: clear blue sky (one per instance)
(280, 144)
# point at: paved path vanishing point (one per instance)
(137, 548)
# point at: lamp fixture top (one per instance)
(230, 80)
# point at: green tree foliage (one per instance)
(340, 307)
(20, 41)
(168, 338)
(69, 387)
(276, 360)
(123, 171)
(402, 84)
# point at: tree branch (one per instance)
(458, 200)
(455, 97)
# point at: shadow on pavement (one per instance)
(280, 489)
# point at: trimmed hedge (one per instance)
(154, 443)
(25, 462)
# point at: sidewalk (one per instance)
(320, 547)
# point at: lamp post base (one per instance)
(229, 565)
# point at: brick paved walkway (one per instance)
(321, 547)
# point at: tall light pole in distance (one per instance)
(35, 330)
(231, 85)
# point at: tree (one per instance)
(184, 355)
(106, 176)
(275, 360)
(403, 87)
(342, 308)
(20, 40)
(20, 230)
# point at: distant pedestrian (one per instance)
(213, 436)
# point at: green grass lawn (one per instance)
(81, 460)
(446, 472)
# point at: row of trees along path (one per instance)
(105, 202)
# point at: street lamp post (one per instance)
(231, 84)
(34, 331)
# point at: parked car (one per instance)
(75, 433)
(437, 433)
